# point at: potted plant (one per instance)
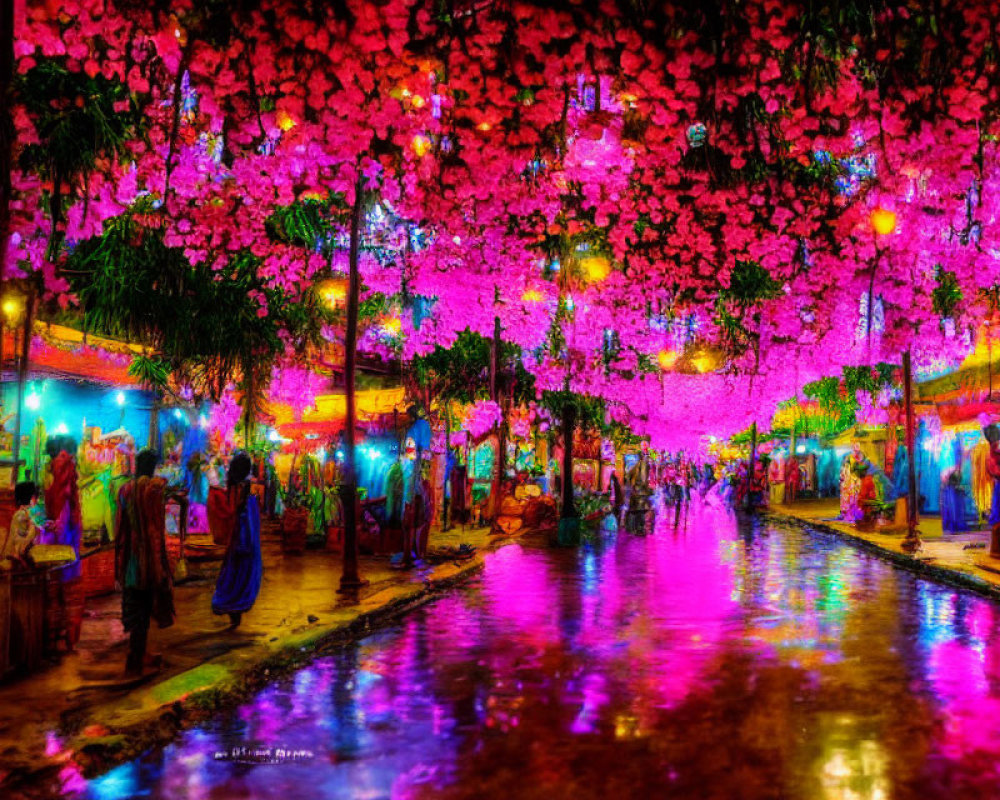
(294, 521)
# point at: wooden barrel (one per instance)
(27, 620)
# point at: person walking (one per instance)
(242, 568)
(142, 568)
(62, 507)
(793, 479)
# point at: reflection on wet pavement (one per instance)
(721, 659)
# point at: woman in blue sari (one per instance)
(242, 569)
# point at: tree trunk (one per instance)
(753, 459)
(447, 475)
(154, 421)
(912, 541)
(350, 580)
(569, 425)
(6, 128)
(501, 454)
(600, 463)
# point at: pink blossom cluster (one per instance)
(591, 179)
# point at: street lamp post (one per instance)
(18, 313)
(350, 579)
(884, 224)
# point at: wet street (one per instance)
(721, 659)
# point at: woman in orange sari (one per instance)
(62, 507)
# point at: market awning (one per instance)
(61, 352)
(327, 418)
(979, 372)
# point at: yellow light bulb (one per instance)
(417, 101)
(484, 126)
(666, 359)
(284, 120)
(332, 292)
(883, 221)
(596, 268)
(391, 326)
(704, 362)
(421, 145)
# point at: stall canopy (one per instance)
(327, 417)
(974, 381)
(61, 352)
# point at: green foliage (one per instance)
(372, 307)
(749, 285)
(204, 324)
(838, 396)
(460, 372)
(947, 294)
(75, 118)
(589, 410)
(150, 371)
(826, 391)
(869, 379)
(77, 124)
(305, 223)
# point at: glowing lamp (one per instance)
(421, 145)
(33, 402)
(120, 398)
(332, 292)
(13, 308)
(483, 126)
(532, 296)
(666, 359)
(703, 362)
(596, 268)
(883, 221)
(284, 120)
(391, 326)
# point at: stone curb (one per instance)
(947, 575)
(119, 743)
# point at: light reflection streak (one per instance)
(647, 660)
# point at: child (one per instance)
(23, 529)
